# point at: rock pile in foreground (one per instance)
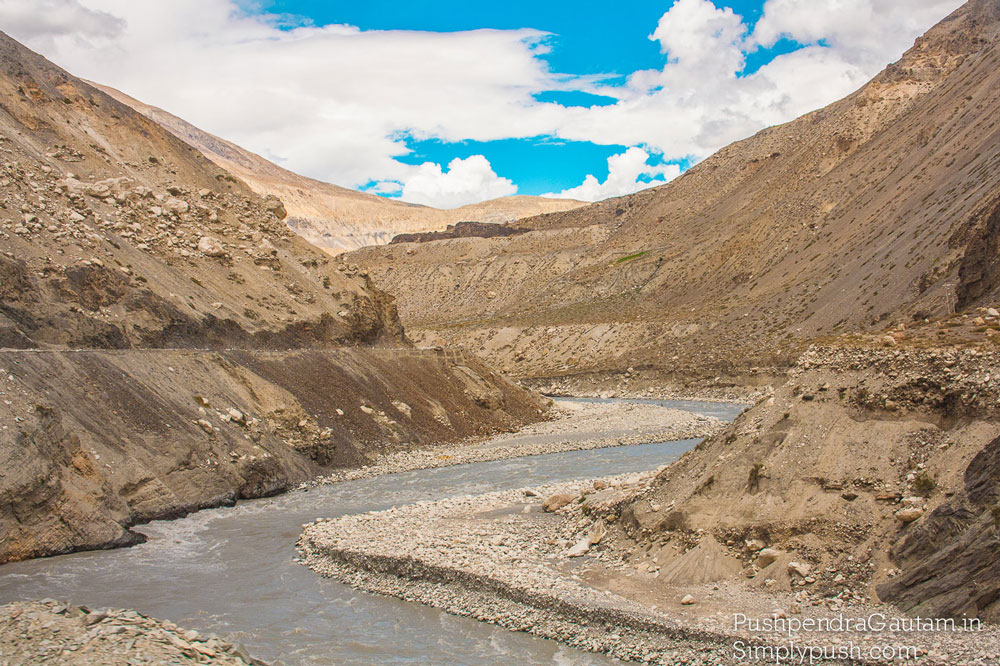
(55, 633)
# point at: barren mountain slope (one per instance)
(881, 207)
(335, 217)
(167, 343)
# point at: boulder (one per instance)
(274, 205)
(581, 548)
(557, 501)
(800, 568)
(687, 600)
(767, 556)
(909, 514)
(211, 247)
(176, 206)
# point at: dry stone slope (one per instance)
(168, 344)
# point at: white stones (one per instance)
(581, 548)
(687, 600)
(211, 246)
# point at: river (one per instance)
(231, 571)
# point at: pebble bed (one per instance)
(501, 558)
(52, 632)
(638, 423)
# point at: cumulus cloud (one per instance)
(856, 29)
(628, 172)
(701, 99)
(337, 103)
(466, 181)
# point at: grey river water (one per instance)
(231, 570)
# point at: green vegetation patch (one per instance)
(630, 257)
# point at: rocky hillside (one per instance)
(880, 208)
(168, 344)
(871, 473)
(331, 217)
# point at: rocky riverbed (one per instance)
(577, 426)
(52, 632)
(541, 560)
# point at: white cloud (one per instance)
(334, 102)
(855, 29)
(700, 100)
(329, 102)
(628, 172)
(466, 181)
(44, 21)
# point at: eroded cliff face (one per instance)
(168, 344)
(96, 441)
(873, 467)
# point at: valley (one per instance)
(248, 417)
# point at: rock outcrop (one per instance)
(460, 230)
(870, 472)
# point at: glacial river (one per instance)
(231, 570)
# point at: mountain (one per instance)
(332, 217)
(880, 209)
(168, 344)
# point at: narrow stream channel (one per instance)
(231, 571)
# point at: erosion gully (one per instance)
(231, 570)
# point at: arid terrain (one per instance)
(337, 218)
(879, 209)
(169, 344)
(866, 484)
(844, 265)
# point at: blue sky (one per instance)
(448, 103)
(592, 38)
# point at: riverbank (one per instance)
(52, 632)
(505, 559)
(637, 386)
(577, 426)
